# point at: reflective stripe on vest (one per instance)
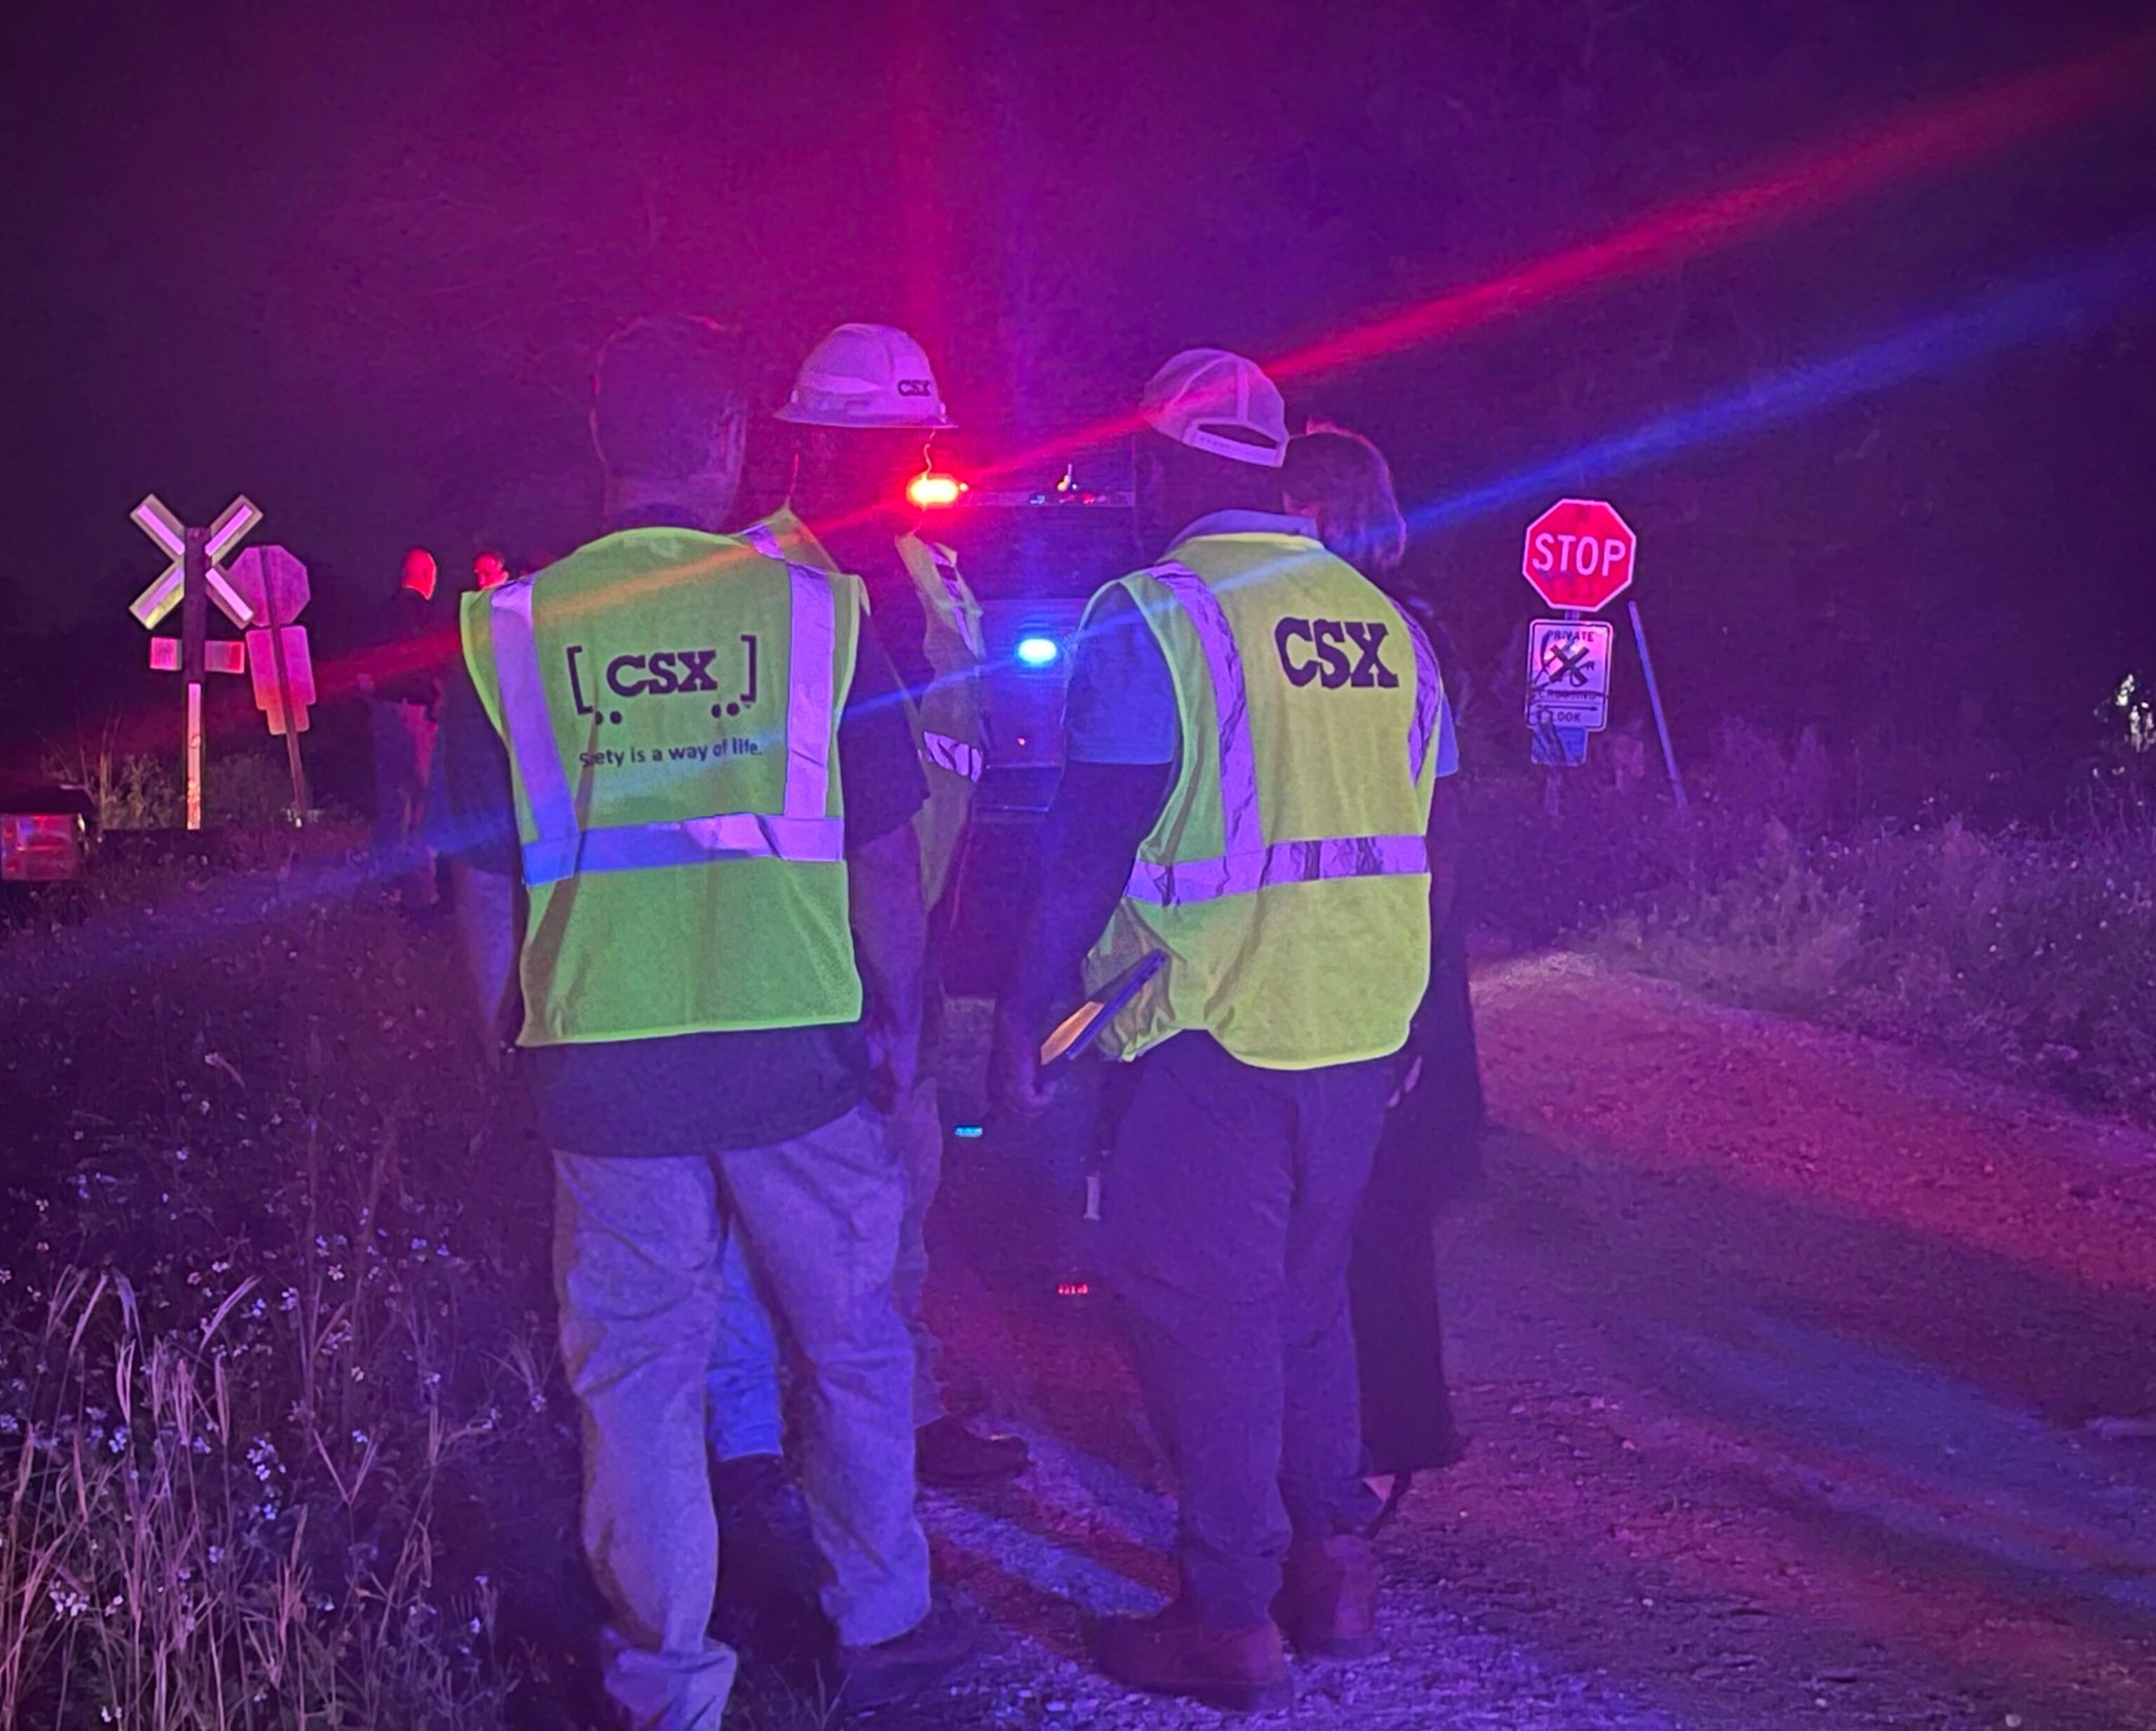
(1246, 864)
(940, 750)
(562, 848)
(968, 627)
(759, 537)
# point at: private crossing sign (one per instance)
(1568, 674)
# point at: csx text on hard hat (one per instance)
(866, 375)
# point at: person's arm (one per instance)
(880, 770)
(1444, 853)
(487, 936)
(1443, 836)
(470, 818)
(890, 941)
(1121, 737)
(1088, 842)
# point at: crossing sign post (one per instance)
(1580, 556)
(194, 579)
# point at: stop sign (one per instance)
(1578, 554)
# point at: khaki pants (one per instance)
(638, 1250)
(742, 1415)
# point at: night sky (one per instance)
(354, 261)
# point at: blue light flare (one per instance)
(2049, 307)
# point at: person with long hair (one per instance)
(1430, 1153)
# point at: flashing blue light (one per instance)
(969, 1132)
(1039, 651)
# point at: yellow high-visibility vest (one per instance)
(1287, 878)
(949, 730)
(670, 701)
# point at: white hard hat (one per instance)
(1213, 400)
(866, 375)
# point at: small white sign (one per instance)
(1568, 673)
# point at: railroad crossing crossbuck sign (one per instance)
(191, 580)
(226, 532)
(1568, 674)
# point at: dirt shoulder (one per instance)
(1778, 1347)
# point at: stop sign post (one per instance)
(273, 584)
(1580, 555)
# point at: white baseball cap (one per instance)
(1212, 400)
(866, 375)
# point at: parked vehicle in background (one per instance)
(46, 833)
(1033, 556)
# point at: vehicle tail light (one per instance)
(39, 847)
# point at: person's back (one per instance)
(865, 406)
(690, 760)
(1429, 1152)
(1308, 773)
(1252, 732)
(703, 686)
(401, 682)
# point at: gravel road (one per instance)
(1809, 1383)
(1794, 1367)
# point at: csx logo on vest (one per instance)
(662, 673)
(1318, 650)
(653, 673)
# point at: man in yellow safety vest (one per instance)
(687, 762)
(1252, 736)
(868, 405)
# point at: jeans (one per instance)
(638, 1248)
(1228, 1213)
(743, 1413)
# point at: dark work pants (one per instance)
(1228, 1214)
(1429, 1159)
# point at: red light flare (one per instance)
(932, 492)
(1927, 144)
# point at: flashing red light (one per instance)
(932, 492)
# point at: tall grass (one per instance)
(174, 1555)
(2015, 950)
(249, 788)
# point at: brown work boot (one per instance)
(903, 1666)
(1172, 1653)
(1328, 1599)
(948, 1455)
